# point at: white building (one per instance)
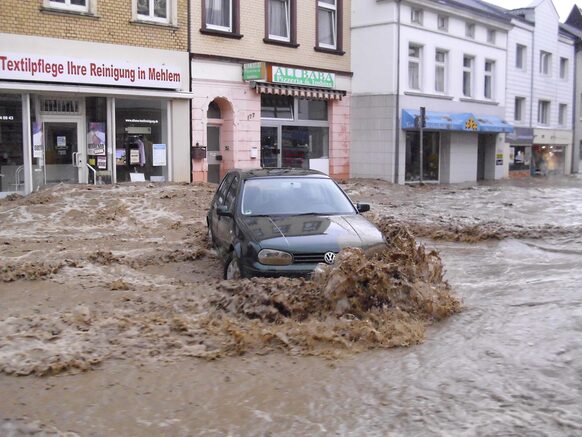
(540, 84)
(447, 56)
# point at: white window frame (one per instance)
(545, 67)
(544, 116)
(470, 30)
(562, 114)
(416, 16)
(445, 23)
(418, 62)
(489, 74)
(564, 65)
(441, 65)
(170, 13)
(491, 36)
(228, 28)
(518, 108)
(67, 6)
(523, 49)
(287, 21)
(333, 8)
(470, 69)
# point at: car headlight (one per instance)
(272, 257)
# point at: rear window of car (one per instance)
(293, 196)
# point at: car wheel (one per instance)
(232, 269)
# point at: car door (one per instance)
(225, 225)
(219, 200)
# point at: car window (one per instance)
(221, 193)
(294, 195)
(231, 193)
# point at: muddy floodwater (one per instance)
(81, 265)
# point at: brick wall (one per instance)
(251, 45)
(112, 23)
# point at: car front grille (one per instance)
(308, 258)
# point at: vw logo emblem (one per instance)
(329, 257)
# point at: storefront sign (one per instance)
(499, 159)
(520, 135)
(6, 118)
(255, 71)
(102, 162)
(297, 76)
(19, 66)
(159, 155)
(471, 124)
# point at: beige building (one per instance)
(93, 91)
(271, 81)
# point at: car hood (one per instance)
(312, 233)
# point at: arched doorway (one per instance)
(219, 138)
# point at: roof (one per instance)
(479, 7)
(571, 30)
(278, 172)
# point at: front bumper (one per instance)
(292, 270)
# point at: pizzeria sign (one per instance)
(299, 76)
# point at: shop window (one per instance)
(71, 5)
(154, 10)
(11, 144)
(329, 32)
(274, 106)
(431, 157)
(214, 111)
(141, 148)
(98, 150)
(302, 143)
(519, 158)
(312, 109)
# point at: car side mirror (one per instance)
(363, 207)
(223, 211)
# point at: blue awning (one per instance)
(466, 122)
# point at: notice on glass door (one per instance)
(159, 155)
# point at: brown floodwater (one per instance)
(510, 363)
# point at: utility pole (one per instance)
(422, 126)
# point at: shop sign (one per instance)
(6, 117)
(499, 159)
(520, 135)
(471, 124)
(255, 71)
(298, 76)
(21, 66)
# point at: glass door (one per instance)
(63, 156)
(214, 156)
(270, 151)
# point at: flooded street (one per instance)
(510, 363)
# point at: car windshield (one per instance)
(294, 196)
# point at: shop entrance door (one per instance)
(64, 156)
(270, 151)
(213, 151)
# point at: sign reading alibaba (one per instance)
(299, 76)
(17, 66)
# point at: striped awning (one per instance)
(298, 91)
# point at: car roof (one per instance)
(278, 172)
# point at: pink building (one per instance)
(270, 90)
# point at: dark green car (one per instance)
(283, 222)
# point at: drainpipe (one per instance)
(531, 91)
(397, 127)
(575, 163)
(189, 25)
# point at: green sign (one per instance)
(297, 76)
(254, 71)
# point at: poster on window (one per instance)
(102, 162)
(159, 155)
(61, 142)
(37, 140)
(134, 157)
(96, 139)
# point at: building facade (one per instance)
(271, 84)
(540, 86)
(95, 92)
(447, 57)
(573, 26)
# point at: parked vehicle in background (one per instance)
(283, 222)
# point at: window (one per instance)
(468, 76)
(430, 157)
(563, 68)
(280, 20)
(153, 10)
(545, 63)
(563, 114)
(312, 109)
(440, 73)
(518, 109)
(275, 106)
(491, 36)
(416, 16)
(327, 24)
(414, 61)
(11, 143)
(443, 22)
(520, 56)
(488, 84)
(219, 14)
(72, 5)
(470, 30)
(543, 112)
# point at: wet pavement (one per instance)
(509, 364)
